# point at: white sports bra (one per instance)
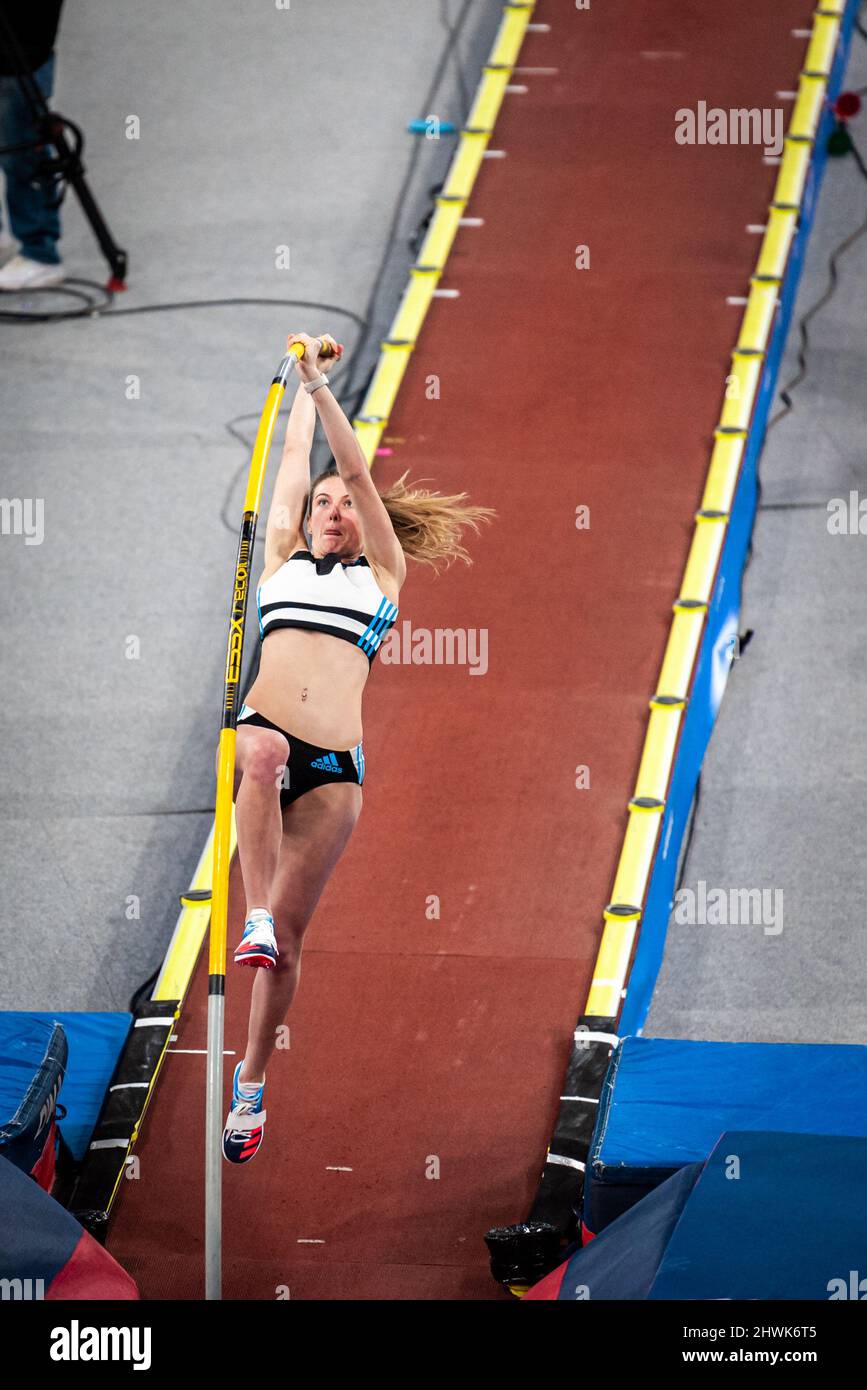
(326, 595)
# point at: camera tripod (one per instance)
(65, 167)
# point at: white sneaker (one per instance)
(258, 944)
(8, 247)
(245, 1127)
(23, 274)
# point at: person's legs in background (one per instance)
(34, 223)
(8, 104)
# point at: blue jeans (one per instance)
(34, 224)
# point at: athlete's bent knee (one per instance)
(265, 759)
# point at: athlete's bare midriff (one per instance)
(311, 684)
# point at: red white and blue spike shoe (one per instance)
(258, 944)
(245, 1126)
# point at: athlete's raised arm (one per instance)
(381, 545)
(284, 532)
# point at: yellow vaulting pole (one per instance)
(222, 831)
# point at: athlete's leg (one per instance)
(260, 758)
(316, 829)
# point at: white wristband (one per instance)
(321, 380)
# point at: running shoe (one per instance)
(258, 944)
(21, 273)
(244, 1132)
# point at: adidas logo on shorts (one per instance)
(328, 763)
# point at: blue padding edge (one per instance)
(715, 652)
(95, 1043)
(666, 1101)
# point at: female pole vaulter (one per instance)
(324, 605)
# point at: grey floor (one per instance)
(785, 777)
(258, 129)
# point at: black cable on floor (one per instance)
(785, 391)
(839, 250)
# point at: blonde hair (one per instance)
(427, 524)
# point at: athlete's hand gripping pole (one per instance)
(223, 814)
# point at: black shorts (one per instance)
(307, 765)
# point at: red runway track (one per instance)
(417, 1040)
